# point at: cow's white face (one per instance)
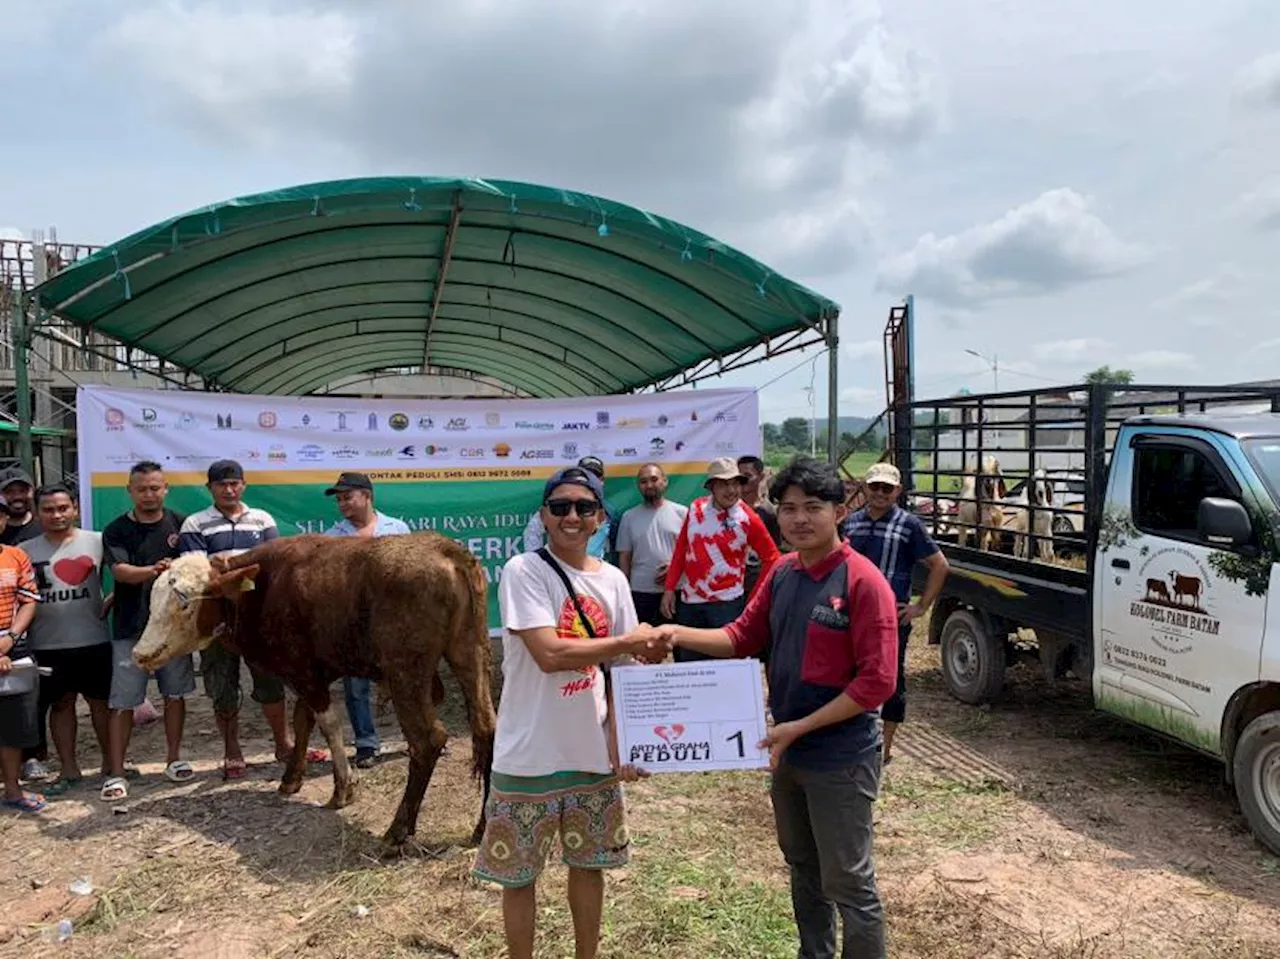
(178, 622)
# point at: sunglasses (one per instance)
(583, 507)
(880, 487)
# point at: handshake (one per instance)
(651, 644)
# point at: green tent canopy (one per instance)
(552, 292)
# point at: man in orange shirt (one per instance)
(19, 714)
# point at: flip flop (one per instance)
(234, 769)
(317, 756)
(61, 785)
(114, 789)
(30, 802)
(179, 771)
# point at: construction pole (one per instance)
(22, 383)
(833, 391)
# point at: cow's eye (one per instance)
(183, 599)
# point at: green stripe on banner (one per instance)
(487, 517)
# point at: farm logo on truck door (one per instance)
(1174, 600)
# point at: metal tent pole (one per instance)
(833, 391)
(22, 383)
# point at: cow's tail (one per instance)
(479, 690)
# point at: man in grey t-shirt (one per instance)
(69, 632)
(646, 539)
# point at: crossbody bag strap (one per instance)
(545, 556)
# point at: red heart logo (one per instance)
(670, 733)
(661, 733)
(676, 731)
(74, 570)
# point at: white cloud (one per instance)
(1261, 206)
(1160, 360)
(236, 67)
(1052, 242)
(1259, 82)
(862, 398)
(1071, 351)
(863, 349)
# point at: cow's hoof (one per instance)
(288, 787)
(341, 798)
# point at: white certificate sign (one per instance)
(691, 717)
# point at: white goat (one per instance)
(1040, 491)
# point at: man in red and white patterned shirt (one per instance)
(711, 555)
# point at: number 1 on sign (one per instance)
(742, 749)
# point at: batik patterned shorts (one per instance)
(524, 814)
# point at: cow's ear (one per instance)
(236, 581)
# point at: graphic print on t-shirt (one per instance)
(570, 626)
(74, 570)
(716, 558)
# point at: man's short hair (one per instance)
(750, 460)
(815, 478)
(657, 466)
(145, 466)
(53, 489)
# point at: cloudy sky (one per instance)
(1060, 185)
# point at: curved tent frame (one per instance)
(552, 292)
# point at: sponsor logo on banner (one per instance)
(427, 423)
(534, 425)
(148, 415)
(381, 453)
(372, 423)
(693, 416)
(501, 450)
(456, 425)
(114, 419)
(310, 453)
(398, 421)
(632, 423)
(537, 454)
(407, 452)
(679, 445)
(250, 455)
(726, 446)
(150, 420)
(224, 421)
(626, 452)
(342, 426)
(276, 454)
(431, 449)
(576, 425)
(268, 420)
(186, 421)
(657, 445)
(662, 422)
(472, 452)
(492, 420)
(345, 453)
(570, 451)
(602, 420)
(306, 422)
(725, 416)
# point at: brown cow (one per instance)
(1157, 590)
(1185, 586)
(312, 609)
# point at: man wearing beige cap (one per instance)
(895, 540)
(709, 564)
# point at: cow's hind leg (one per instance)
(343, 786)
(426, 736)
(303, 719)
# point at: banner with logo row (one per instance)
(471, 469)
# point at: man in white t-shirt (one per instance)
(555, 764)
(646, 539)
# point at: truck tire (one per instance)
(1256, 770)
(973, 661)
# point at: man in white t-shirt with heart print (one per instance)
(555, 764)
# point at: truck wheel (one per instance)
(1256, 769)
(973, 661)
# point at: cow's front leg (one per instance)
(343, 787)
(303, 719)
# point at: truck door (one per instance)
(1178, 634)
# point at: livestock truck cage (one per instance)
(1065, 433)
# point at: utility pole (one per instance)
(994, 363)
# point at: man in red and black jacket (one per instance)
(831, 620)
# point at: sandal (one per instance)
(60, 786)
(114, 789)
(30, 802)
(317, 756)
(179, 771)
(234, 769)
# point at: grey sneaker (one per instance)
(34, 769)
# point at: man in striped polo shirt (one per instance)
(227, 528)
(895, 540)
(830, 621)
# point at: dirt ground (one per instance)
(1037, 828)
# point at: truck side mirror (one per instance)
(1223, 522)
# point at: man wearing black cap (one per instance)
(359, 518)
(17, 487)
(555, 765)
(227, 528)
(604, 541)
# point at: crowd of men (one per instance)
(594, 587)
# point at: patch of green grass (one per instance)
(949, 814)
(1161, 718)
